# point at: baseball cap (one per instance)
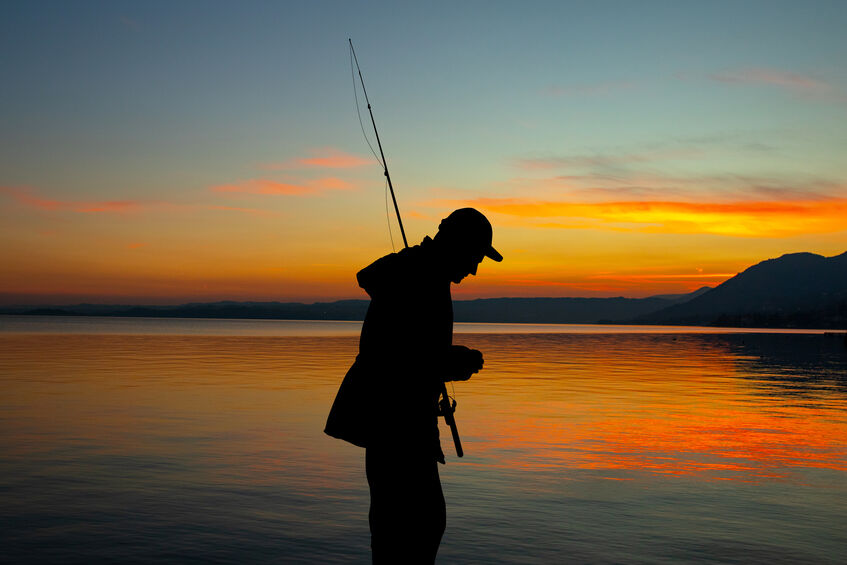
(471, 226)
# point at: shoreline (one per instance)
(87, 323)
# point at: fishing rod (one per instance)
(445, 407)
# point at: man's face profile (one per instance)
(463, 263)
(464, 238)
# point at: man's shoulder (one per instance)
(407, 266)
(416, 256)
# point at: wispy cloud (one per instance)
(602, 161)
(798, 84)
(326, 158)
(272, 187)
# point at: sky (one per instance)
(166, 152)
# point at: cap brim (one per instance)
(493, 255)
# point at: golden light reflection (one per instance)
(664, 406)
(252, 408)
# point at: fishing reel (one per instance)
(447, 405)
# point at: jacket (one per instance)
(389, 395)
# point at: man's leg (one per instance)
(407, 514)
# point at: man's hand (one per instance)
(462, 363)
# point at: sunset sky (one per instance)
(164, 152)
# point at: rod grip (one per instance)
(447, 409)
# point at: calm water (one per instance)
(137, 440)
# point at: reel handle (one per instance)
(447, 411)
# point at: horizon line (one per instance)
(325, 301)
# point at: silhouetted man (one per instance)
(388, 400)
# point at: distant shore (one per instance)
(13, 324)
(834, 332)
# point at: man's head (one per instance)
(465, 236)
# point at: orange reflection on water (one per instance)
(751, 444)
(667, 405)
(226, 409)
(252, 408)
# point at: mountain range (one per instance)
(507, 310)
(797, 290)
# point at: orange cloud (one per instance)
(265, 186)
(754, 219)
(24, 196)
(327, 158)
(332, 183)
(336, 160)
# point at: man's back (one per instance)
(406, 336)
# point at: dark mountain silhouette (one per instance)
(563, 310)
(795, 290)
(529, 310)
(339, 310)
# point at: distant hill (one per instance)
(339, 310)
(564, 310)
(796, 290)
(529, 310)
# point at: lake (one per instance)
(200, 441)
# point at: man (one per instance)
(388, 400)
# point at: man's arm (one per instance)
(462, 362)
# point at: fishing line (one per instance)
(368, 141)
(388, 218)
(359, 111)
